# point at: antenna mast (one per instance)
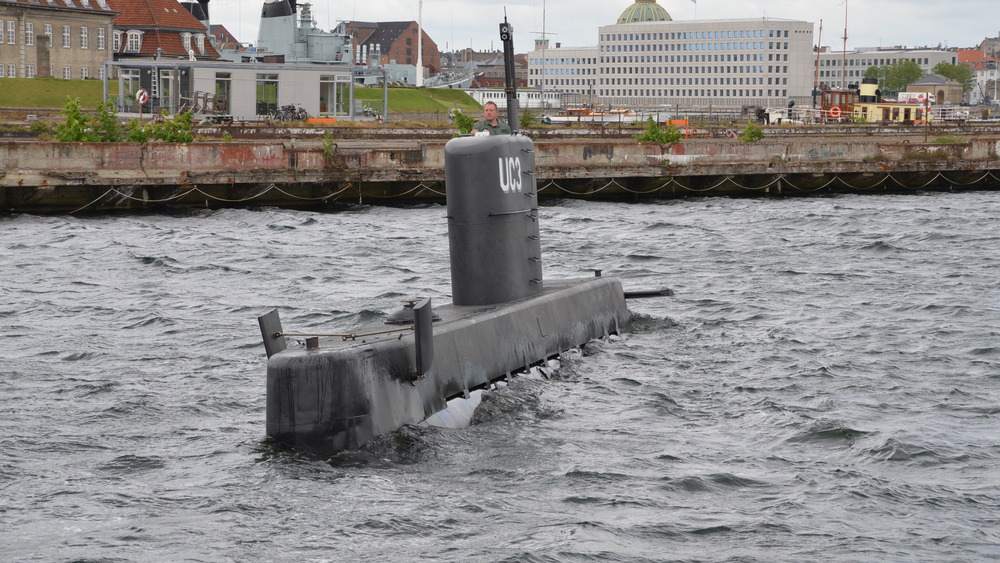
(843, 73)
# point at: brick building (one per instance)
(397, 43)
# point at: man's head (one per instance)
(490, 111)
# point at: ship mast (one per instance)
(819, 49)
(843, 73)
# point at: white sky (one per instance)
(574, 23)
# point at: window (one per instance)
(200, 42)
(129, 77)
(2, 68)
(67, 72)
(101, 40)
(84, 38)
(29, 70)
(10, 32)
(29, 33)
(84, 72)
(223, 90)
(66, 37)
(186, 41)
(267, 93)
(134, 41)
(116, 45)
(11, 71)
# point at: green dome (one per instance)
(644, 11)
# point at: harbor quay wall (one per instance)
(41, 176)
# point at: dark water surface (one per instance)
(825, 386)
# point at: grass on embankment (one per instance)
(419, 99)
(52, 93)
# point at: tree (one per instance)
(960, 73)
(901, 74)
(106, 125)
(879, 73)
(661, 135)
(76, 126)
(752, 133)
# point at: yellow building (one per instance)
(55, 38)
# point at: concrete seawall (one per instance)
(48, 177)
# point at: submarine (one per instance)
(339, 391)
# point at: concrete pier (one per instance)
(51, 177)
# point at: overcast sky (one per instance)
(574, 23)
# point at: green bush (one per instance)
(329, 148)
(76, 126)
(527, 119)
(463, 122)
(106, 124)
(105, 128)
(752, 133)
(176, 130)
(661, 135)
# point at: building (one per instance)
(220, 36)
(648, 60)
(396, 43)
(156, 31)
(55, 38)
(492, 73)
(946, 91)
(986, 69)
(834, 65)
(990, 47)
(159, 29)
(246, 90)
(571, 71)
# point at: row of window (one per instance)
(747, 46)
(133, 37)
(689, 70)
(690, 93)
(8, 34)
(83, 3)
(872, 62)
(694, 81)
(31, 71)
(727, 81)
(741, 57)
(672, 36)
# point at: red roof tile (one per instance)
(154, 13)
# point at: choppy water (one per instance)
(825, 385)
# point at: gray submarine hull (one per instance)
(341, 391)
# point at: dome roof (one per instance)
(644, 11)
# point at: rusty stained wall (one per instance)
(45, 163)
(178, 157)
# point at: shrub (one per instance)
(752, 133)
(661, 135)
(527, 119)
(329, 148)
(106, 126)
(76, 127)
(463, 122)
(176, 130)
